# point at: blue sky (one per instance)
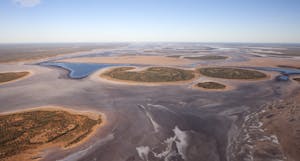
(150, 20)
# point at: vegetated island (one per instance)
(297, 79)
(24, 134)
(288, 66)
(231, 73)
(210, 85)
(152, 74)
(10, 76)
(207, 57)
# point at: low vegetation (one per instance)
(208, 57)
(29, 130)
(231, 73)
(153, 74)
(297, 79)
(288, 66)
(210, 85)
(9, 76)
(174, 56)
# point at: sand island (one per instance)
(210, 85)
(25, 133)
(11, 76)
(297, 79)
(207, 57)
(152, 74)
(231, 73)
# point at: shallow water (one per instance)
(79, 70)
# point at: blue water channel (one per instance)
(80, 70)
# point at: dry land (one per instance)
(231, 73)
(288, 66)
(22, 133)
(210, 85)
(207, 57)
(24, 52)
(152, 74)
(146, 60)
(153, 119)
(297, 79)
(10, 76)
(282, 119)
(295, 51)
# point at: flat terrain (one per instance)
(145, 60)
(288, 66)
(25, 52)
(152, 74)
(23, 132)
(231, 73)
(297, 79)
(157, 122)
(272, 133)
(211, 85)
(282, 119)
(281, 52)
(208, 57)
(10, 76)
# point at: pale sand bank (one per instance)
(144, 60)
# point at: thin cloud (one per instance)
(27, 3)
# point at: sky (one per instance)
(41, 21)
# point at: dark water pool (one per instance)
(79, 70)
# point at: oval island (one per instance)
(149, 75)
(231, 73)
(11, 76)
(24, 134)
(210, 85)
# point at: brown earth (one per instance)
(23, 134)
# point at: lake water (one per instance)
(79, 70)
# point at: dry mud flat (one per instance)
(24, 134)
(150, 123)
(272, 133)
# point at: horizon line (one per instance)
(98, 42)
